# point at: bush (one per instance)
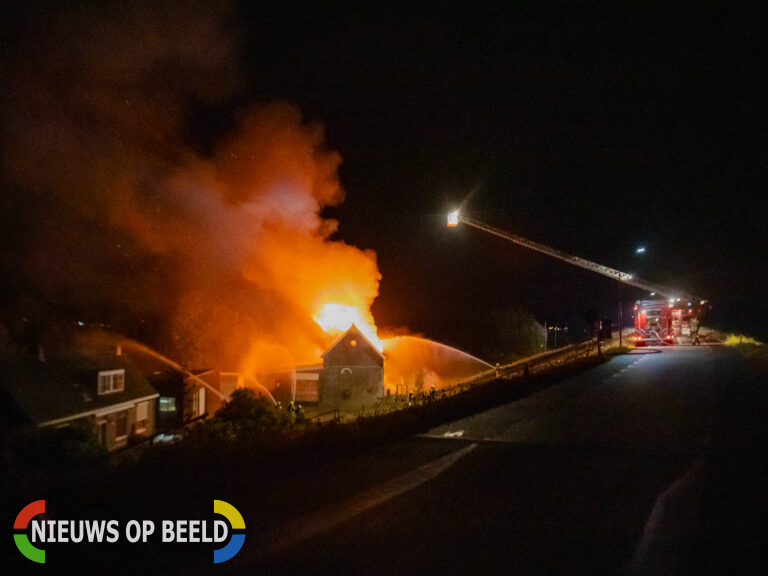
(246, 416)
(519, 334)
(70, 446)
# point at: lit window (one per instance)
(167, 404)
(111, 381)
(201, 401)
(142, 415)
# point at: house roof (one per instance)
(167, 382)
(355, 331)
(314, 367)
(172, 382)
(65, 387)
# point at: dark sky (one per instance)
(591, 128)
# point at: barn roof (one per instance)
(358, 334)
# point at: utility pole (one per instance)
(620, 322)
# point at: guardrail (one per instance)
(334, 414)
(516, 369)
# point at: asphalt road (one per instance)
(603, 473)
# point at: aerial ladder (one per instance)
(456, 217)
(672, 295)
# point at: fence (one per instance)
(519, 368)
(539, 362)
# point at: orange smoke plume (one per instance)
(219, 258)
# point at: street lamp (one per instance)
(453, 219)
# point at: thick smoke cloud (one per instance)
(111, 215)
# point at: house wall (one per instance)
(212, 401)
(195, 401)
(111, 432)
(170, 420)
(192, 401)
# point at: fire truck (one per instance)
(657, 321)
(664, 321)
(653, 322)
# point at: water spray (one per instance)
(176, 366)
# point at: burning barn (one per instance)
(352, 373)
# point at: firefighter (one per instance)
(695, 330)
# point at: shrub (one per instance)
(70, 446)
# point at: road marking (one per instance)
(325, 519)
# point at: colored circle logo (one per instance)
(236, 520)
(22, 540)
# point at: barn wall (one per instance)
(350, 386)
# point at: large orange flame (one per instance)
(337, 318)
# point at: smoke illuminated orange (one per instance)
(337, 318)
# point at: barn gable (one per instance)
(352, 374)
(352, 349)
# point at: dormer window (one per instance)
(111, 381)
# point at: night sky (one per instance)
(592, 128)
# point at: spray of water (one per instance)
(437, 348)
(142, 348)
(261, 387)
(293, 383)
(420, 364)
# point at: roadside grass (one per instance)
(617, 351)
(740, 339)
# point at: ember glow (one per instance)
(337, 318)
